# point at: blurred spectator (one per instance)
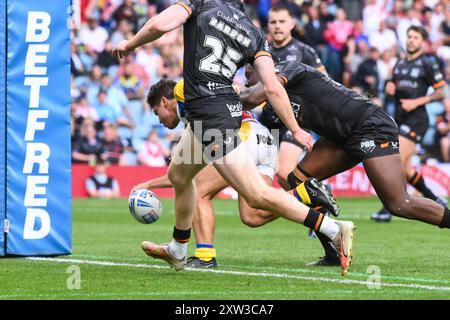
(324, 14)
(76, 64)
(136, 69)
(373, 13)
(153, 153)
(83, 109)
(336, 35)
(367, 74)
(353, 9)
(356, 52)
(172, 67)
(87, 147)
(151, 62)
(93, 36)
(383, 39)
(113, 145)
(105, 59)
(443, 128)
(105, 111)
(314, 30)
(121, 33)
(412, 18)
(100, 184)
(127, 12)
(130, 84)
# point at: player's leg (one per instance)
(209, 183)
(407, 150)
(325, 160)
(255, 217)
(414, 178)
(289, 155)
(239, 170)
(182, 169)
(387, 177)
(445, 148)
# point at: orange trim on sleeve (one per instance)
(184, 5)
(262, 53)
(440, 84)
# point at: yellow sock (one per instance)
(205, 254)
(301, 194)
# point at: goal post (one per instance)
(35, 128)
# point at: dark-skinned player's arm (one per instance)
(168, 20)
(278, 98)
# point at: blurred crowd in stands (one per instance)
(358, 41)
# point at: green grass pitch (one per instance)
(262, 263)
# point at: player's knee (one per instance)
(177, 179)
(398, 207)
(256, 199)
(250, 221)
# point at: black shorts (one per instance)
(215, 122)
(413, 126)
(375, 136)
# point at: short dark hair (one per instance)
(163, 88)
(420, 30)
(281, 7)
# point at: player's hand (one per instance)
(121, 50)
(143, 185)
(390, 88)
(238, 89)
(409, 104)
(304, 138)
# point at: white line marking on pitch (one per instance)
(241, 273)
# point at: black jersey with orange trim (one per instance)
(412, 80)
(219, 38)
(296, 50)
(319, 104)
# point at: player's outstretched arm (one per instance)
(279, 99)
(168, 20)
(160, 182)
(253, 96)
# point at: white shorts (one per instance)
(261, 145)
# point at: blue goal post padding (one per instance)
(2, 124)
(38, 151)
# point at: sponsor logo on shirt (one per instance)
(216, 86)
(235, 109)
(291, 58)
(367, 146)
(415, 72)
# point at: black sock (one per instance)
(313, 220)
(330, 252)
(181, 236)
(293, 180)
(416, 180)
(445, 223)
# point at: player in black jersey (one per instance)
(219, 38)
(353, 130)
(285, 48)
(412, 77)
